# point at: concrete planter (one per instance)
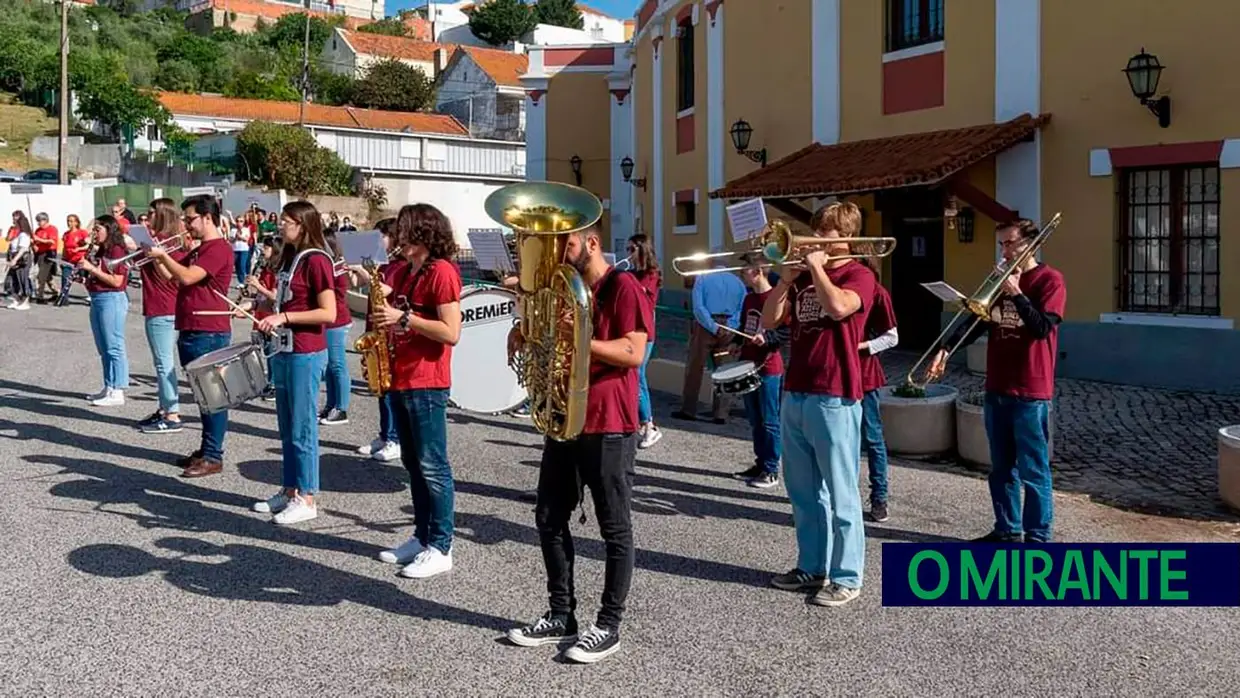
(972, 444)
(1229, 466)
(975, 354)
(919, 426)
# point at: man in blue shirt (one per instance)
(717, 300)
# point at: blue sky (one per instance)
(616, 8)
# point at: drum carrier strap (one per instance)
(281, 342)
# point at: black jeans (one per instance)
(604, 463)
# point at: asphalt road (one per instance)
(119, 578)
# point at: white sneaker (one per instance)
(274, 505)
(113, 398)
(651, 437)
(404, 553)
(297, 511)
(428, 563)
(103, 392)
(387, 454)
(24, 305)
(371, 448)
(12, 304)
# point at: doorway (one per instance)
(918, 259)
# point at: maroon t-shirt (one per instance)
(421, 362)
(1017, 363)
(312, 276)
(388, 272)
(771, 361)
(215, 257)
(343, 316)
(824, 359)
(620, 307)
(94, 285)
(879, 321)
(159, 295)
(652, 281)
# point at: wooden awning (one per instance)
(856, 167)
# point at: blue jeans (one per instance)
(190, 346)
(387, 423)
(762, 408)
(107, 324)
(875, 446)
(297, 378)
(822, 454)
(242, 263)
(338, 381)
(421, 418)
(161, 334)
(1019, 434)
(644, 414)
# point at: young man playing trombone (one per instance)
(826, 301)
(1020, 384)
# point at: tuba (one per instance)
(376, 346)
(554, 303)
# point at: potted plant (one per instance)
(1229, 466)
(972, 443)
(919, 421)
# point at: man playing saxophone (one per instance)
(1020, 384)
(602, 457)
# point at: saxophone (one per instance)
(555, 302)
(376, 346)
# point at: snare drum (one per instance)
(227, 377)
(736, 378)
(482, 380)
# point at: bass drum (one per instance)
(482, 381)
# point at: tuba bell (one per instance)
(554, 302)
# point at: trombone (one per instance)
(978, 306)
(778, 246)
(173, 244)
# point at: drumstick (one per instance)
(214, 312)
(235, 306)
(750, 337)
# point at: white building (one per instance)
(351, 53)
(450, 24)
(417, 157)
(363, 9)
(482, 89)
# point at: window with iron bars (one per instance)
(1168, 245)
(913, 23)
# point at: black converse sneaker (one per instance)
(334, 416)
(998, 537)
(595, 644)
(798, 580)
(548, 630)
(749, 473)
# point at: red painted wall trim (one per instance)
(685, 196)
(578, 56)
(914, 83)
(1167, 154)
(645, 13)
(685, 132)
(685, 13)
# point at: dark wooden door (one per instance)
(918, 259)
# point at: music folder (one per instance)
(141, 235)
(358, 248)
(944, 292)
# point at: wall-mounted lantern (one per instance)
(1143, 72)
(741, 133)
(575, 161)
(626, 169)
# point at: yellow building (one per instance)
(939, 117)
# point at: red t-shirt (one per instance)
(879, 321)
(1017, 363)
(45, 239)
(312, 276)
(74, 239)
(771, 361)
(159, 295)
(262, 306)
(343, 315)
(94, 285)
(422, 363)
(824, 359)
(388, 272)
(620, 307)
(652, 281)
(215, 257)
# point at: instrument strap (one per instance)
(285, 278)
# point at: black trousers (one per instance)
(604, 463)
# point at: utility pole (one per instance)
(305, 69)
(62, 169)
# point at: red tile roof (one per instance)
(504, 67)
(316, 114)
(583, 9)
(268, 10)
(394, 46)
(880, 163)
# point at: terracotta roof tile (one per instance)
(504, 67)
(316, 114)
(880, 163)
(394, 46)
(584, 9)
(267, 10)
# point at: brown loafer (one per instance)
(185, 461)
(200, 467)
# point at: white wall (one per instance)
(460, 200)
(57, 201)
(551, 35)
(238, 199)
(459, 34)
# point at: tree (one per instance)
(290, 30)
(327, 87)
(561, 13)
(286, 156)
(499, 22)
(390, 84)
(252, 85)
(391, 26)
(117, 103)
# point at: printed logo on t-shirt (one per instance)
(753, 320)
(1006, 318)
(808, 310)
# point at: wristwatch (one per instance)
(404, 320)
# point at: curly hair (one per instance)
(423, 224)
(115, 237)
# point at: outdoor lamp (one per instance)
(626, 169)
(1143, 72)
(575, 161)
(741, 133)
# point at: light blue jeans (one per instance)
(338, 381)
(821, 437)
(161, 334)
(297, 378)
(644, 413)
(107, 324)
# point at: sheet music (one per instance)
(747, 219)
(611, 258)
(358, 248)
(141, 235)
(490, 250)
(944, 292)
